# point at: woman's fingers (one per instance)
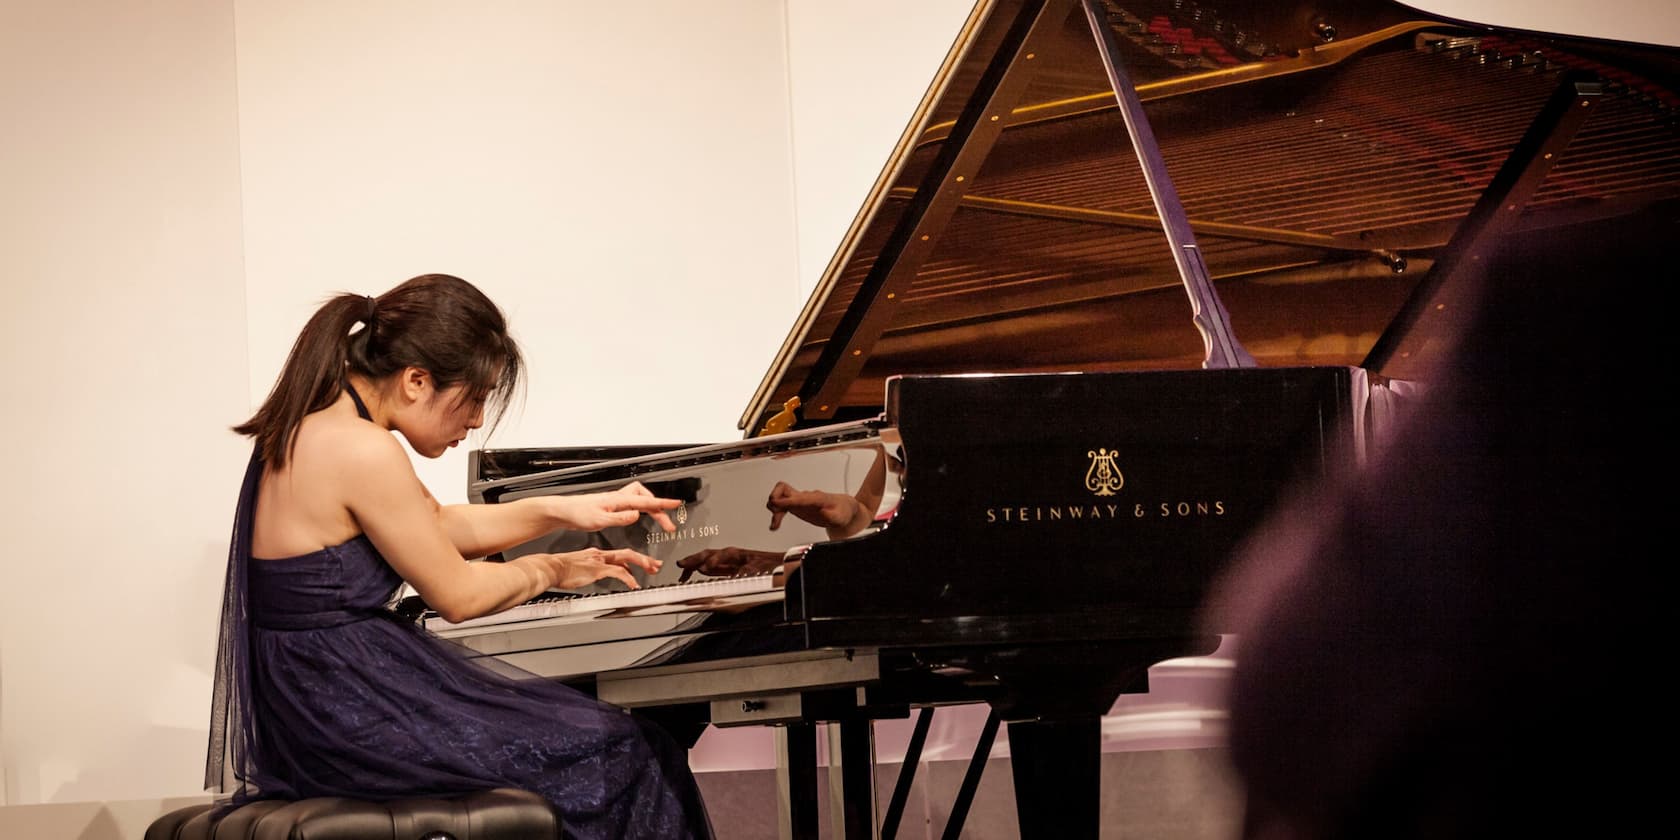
(581, 568)
(636, 497)
(635, 488)
(609, 570)
(627, 557)
(663, 520)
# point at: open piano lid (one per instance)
(1340, 164)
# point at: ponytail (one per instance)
(311, 380)
(436, 322)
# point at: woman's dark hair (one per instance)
(436, 322)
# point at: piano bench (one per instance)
(501, 814)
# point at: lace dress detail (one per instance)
(321, 691)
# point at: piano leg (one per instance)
(1058, 780)
(852, 742)
(796, 781)
(851, 779)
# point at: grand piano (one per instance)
(1136, 272)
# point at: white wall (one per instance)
(1638, 21)
(858, 69)
(185, 180)
(615, 176)
(122, 335)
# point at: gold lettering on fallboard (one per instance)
(1187, 509)
(1103, 478)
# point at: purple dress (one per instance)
(322, 691)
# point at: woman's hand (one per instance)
(594, 511)
(575, 569)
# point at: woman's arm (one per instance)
(480, 530)
(401, 519)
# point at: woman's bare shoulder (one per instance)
(335, 440)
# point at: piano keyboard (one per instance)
(713, 593)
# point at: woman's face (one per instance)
(441, 420)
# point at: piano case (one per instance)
(501, 814)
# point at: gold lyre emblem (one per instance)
(1103, 477)
(680, 514)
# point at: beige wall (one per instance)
(617, 182)
(858, 70)
(1639, 21)
(123, 338)
(185, 180)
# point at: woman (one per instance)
(321, 691)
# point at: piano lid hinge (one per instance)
(782, 420)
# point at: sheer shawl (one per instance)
(228, 766)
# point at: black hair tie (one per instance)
(368, 320)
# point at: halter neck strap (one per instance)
(361, 407)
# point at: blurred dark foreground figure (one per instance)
(1434, 646)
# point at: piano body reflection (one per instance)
(1034, 458)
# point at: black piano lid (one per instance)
(1330, 158)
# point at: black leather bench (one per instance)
(501, 814)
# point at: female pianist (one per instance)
(320, 690)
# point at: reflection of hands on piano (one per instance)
(576, 569)
(624, 506)
(731, 560)
(841, 515)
